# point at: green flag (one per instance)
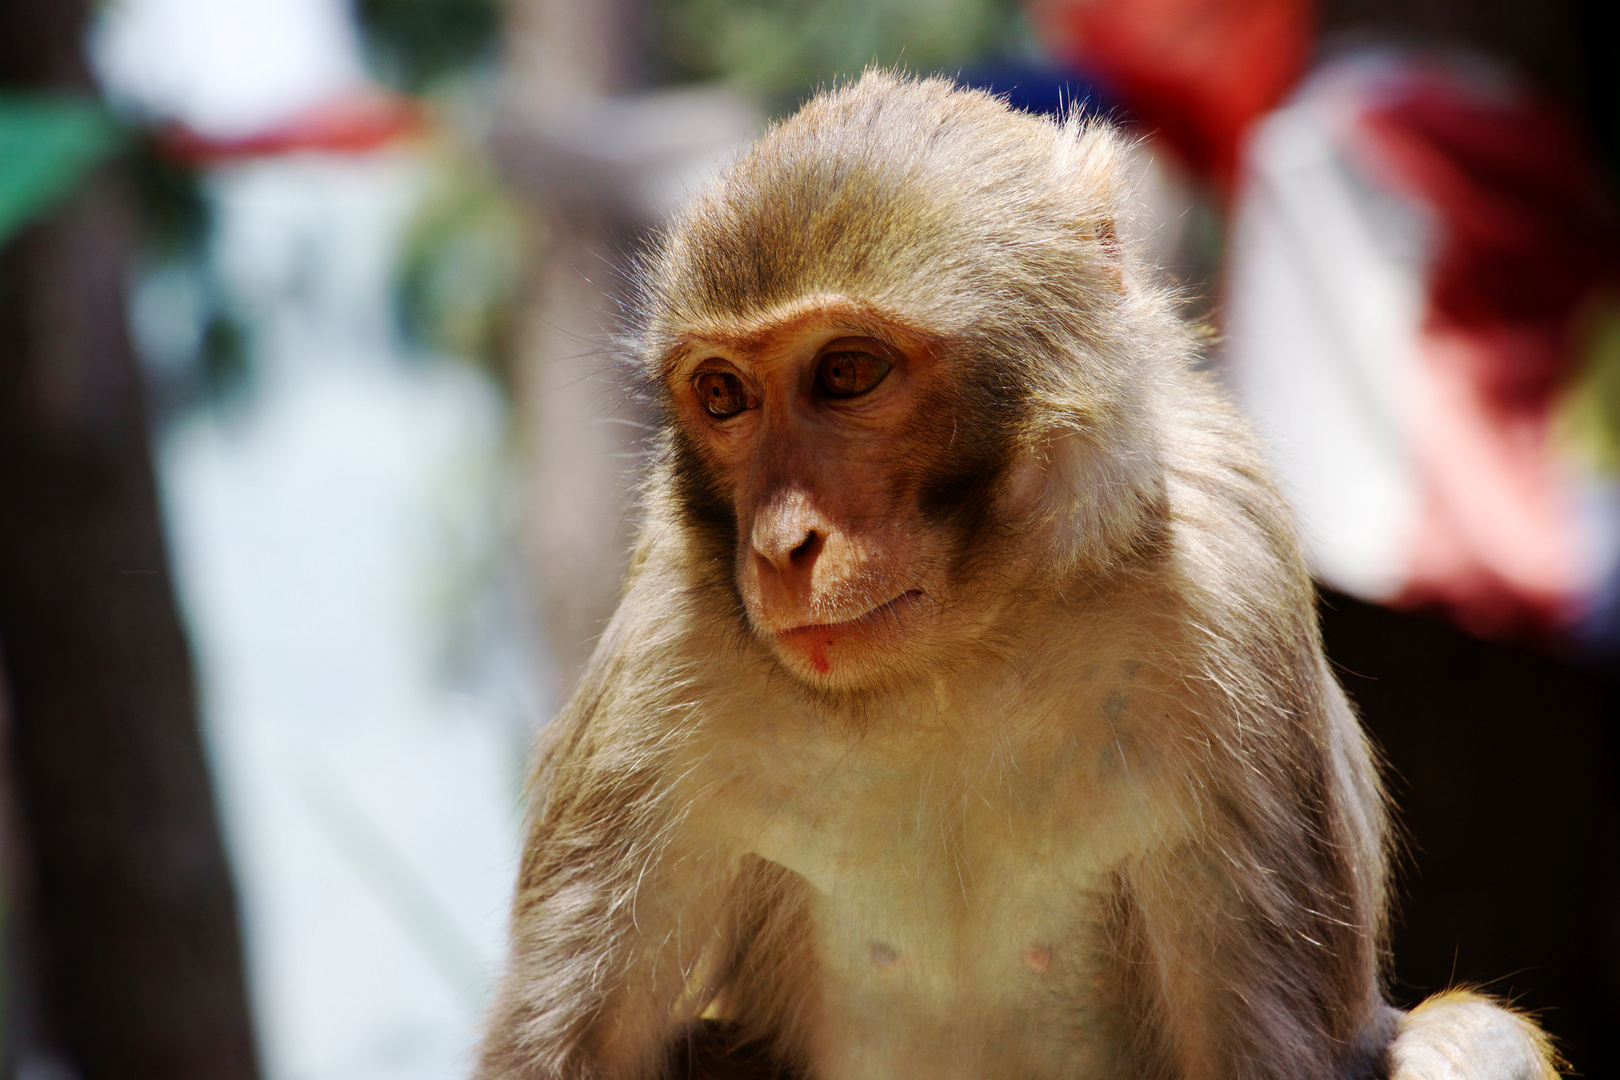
(48, 143)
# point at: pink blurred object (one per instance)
(1524, 239)
(1444, 230)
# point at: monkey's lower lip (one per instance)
(890, 607)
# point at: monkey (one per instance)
(965, 714)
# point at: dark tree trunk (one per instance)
(132, 910)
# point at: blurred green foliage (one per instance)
(783, 49)
(1587, 419)
(175, 214)
(209, 362)
(463, 261)
(415, 43)
(462, 269)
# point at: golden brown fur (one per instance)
(1108, 814)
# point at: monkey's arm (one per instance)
(1262, 924)
(601, 946)
(1239, 984)
(561, 1007)
(1266, 943)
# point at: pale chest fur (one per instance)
(962, 852)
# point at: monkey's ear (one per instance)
(1106, 236)
(1097, 487)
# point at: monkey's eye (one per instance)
(722, 393)
(848, 373)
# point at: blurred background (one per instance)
(317, 469)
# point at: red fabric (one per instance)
(1524, 241)
(356, 123)
(1525, 232)
(1198, 71)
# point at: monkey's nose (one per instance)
(791, 559)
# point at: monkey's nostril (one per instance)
(806, 552)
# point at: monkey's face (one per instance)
(830, 437)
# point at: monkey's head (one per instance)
(904, 366)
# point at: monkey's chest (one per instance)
(948, 971)
(960, 916)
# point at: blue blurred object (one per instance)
(1038, 88)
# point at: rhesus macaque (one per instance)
(965, 715)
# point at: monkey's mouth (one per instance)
(873, 615)
(818, 640)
